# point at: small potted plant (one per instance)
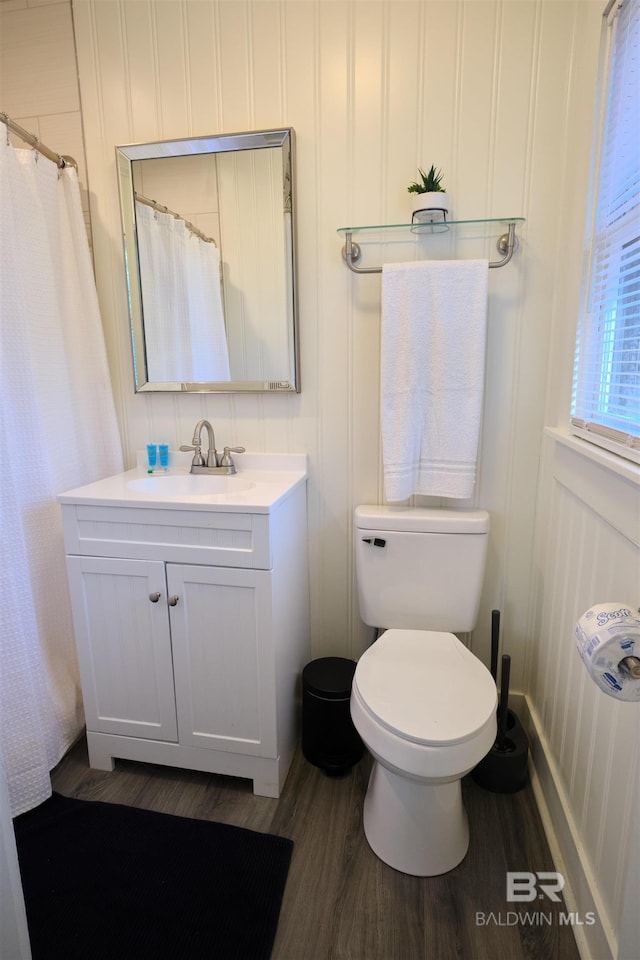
(430, 202)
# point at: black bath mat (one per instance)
(107, 882)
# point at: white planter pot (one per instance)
(430, 207)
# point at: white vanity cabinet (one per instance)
(192, 631)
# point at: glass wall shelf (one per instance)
(435, 239)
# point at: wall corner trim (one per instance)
(581, 891)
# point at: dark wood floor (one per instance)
(341, 902)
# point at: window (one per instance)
(606, 387)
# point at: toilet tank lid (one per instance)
(421, 519)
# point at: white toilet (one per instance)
(423, 704)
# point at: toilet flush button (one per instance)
(376, 541)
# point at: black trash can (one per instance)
(329, 738)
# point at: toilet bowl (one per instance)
(423, 704)
(425, 707)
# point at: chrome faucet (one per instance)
(214, 463)
(212, 453)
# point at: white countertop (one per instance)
(273, 477)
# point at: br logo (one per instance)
(522, 885)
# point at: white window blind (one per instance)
(606, 388)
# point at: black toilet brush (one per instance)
(503, 706)
(495, 639)
(504, 769)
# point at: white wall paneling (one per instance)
(373, 91)
(588, 552)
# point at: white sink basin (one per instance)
(189, 485)
(263, 481)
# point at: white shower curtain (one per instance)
(58, 430)
(182, 302)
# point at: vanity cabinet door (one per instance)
(221, 628)
(124, 646)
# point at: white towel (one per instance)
(432, 375)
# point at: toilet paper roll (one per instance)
(608, 640)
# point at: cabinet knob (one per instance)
(173, 601)
(154, 597)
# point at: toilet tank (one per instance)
(419, 568)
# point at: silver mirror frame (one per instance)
(126, 154)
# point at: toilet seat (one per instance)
(425, 687)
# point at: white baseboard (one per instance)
(597, 941)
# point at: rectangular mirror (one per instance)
(209, 246)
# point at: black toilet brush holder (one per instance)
(505, 767)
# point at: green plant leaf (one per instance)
(430, 182)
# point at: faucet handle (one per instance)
(227, 459)
(198, 459)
